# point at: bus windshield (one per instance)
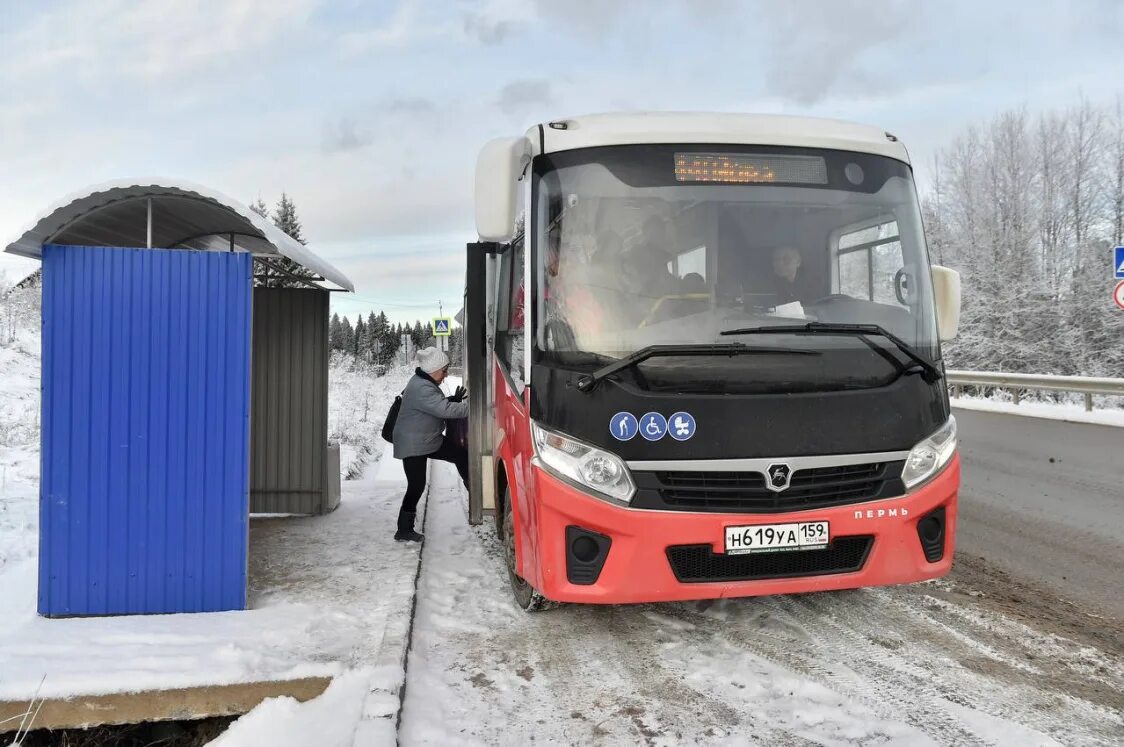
(675, 244)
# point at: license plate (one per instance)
(805, 535)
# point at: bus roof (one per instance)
(638, 128)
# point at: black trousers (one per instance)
(415, 471)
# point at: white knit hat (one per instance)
(432, 360)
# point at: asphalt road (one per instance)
(1043, 500)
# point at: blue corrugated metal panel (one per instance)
(145, 439)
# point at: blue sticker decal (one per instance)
(623, 426)
(1118, 262)
(653, 426)
(681, 426)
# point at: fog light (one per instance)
(584, 548)
(586, 552)
(930, 530)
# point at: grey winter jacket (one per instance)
(422, 416)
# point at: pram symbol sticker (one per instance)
(623, 426)
(681, 426)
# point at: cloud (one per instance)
(485, 30)
(521, 96)
(153, 40)
(594, 17)
(410, 105)
(818, 48)
(345, 135)
(412, 22)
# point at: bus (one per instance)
(704, 357)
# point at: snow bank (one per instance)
(328, 594)
(327, 721)
(1070, 413)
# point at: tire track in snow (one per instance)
(886, 648)
(482, 671)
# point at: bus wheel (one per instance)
(525, 595)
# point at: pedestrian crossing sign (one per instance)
(442, 326)
(1118, 262)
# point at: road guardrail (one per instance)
(1016, 383)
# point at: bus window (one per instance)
(511, 313)
(868, 260)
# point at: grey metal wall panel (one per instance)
(289, 402)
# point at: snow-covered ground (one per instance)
(1072, 413)
(966, 660)
(323, 592)
(329, 595)
(931, 663)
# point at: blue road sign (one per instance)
(681, 426)
(1118, 262)
(623, 426)
(441, 327)
(653, 426)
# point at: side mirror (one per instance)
(498, 168)
(946, 291)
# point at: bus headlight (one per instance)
(931, 455)
(588, 466)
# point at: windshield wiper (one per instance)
(589, 381)
(929, 370)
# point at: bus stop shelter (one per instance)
(184, 384)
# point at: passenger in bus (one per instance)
(789, 283)
(645, 279)
(418, 433)
(692, 283)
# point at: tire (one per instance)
(525, 595)
(499, 515)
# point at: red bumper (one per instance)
(637, 567)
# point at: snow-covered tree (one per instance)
(1028, 208)
(285, 218)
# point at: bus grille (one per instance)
(745, 492)
(699, 564)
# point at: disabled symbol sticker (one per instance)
(653, 426)
(623, 426)
(681, 426)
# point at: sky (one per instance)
(369, 114)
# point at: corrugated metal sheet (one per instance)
(289, 415)
(145, 441)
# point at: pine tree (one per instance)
(383, 338)
(335, 333)
(347, 335)
(360, 338)
(285, 218)
(260, 208)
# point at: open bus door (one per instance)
(478, 337)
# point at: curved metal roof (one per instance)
(184, 216)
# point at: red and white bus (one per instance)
(704, 357)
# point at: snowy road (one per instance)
(974, 659)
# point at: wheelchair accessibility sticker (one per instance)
(623, 426)
(653, 426)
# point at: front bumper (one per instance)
(637, 568)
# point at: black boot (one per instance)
(406, 531)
